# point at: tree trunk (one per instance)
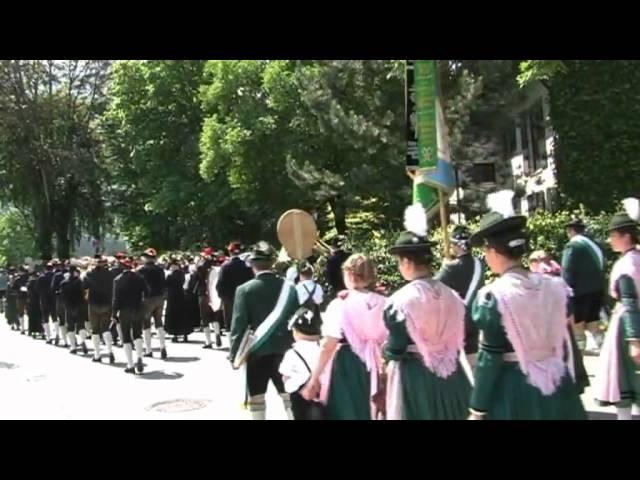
(63, 243)
(339, 215)
(44, 235)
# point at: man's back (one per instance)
(129, 290)
(334, 270)
(232, 274)
(99, 282)
(581, 266)
(254, 301)
(71, 290)
(43, 286)
(155, 278)
(458, 274)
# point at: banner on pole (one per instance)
(427, 135)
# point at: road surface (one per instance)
(41, 381)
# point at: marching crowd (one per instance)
(446, 345)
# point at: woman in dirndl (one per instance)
(347, 378)
(525, 364)
(426, 323)
(617, 380)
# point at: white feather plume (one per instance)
(501, 202)
(415, 220)
(632, 207)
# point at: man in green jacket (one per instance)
(263, 305)
(583, 269)
(465, 275)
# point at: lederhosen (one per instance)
(305, 409)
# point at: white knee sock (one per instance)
(56, 327)
(72, 339)
(96, 345)
(216, 328)
(119, 329)
(635, 409)
(207, 335)
(286, 399)
(128, 353)
(22, 323)
(138, 343)
(83, 335)
(47, 331)
(63, 334)
(87, 326)
(108, 341)
(146, 333)
(624, 413)
(161, 336)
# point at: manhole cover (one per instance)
(178, 406)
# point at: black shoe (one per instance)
(22, 332)
(73, 350)
(49, 342)
(56, 341)
(186, 339)
(163, 354)
(112, 359)
(97, 360)
(84, 348)
(208, 346)
(174, 340)
(130, 370)
(148, 355)
(140, 366)
(218, 341)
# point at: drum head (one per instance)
(298, 233)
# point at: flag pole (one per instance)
(444, 222)
(442, 197)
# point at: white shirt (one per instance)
(332, 320)
(294, 369)
(303, 295)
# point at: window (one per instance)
(536, 201)
(484, 173)
(533, 137)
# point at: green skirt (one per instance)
(514, 398)
(628, 377)
(350, 391)
(429, 397)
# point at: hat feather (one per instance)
(632, 207)
(501, 202)
(415, 220)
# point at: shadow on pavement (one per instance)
(7, 365)
(182, 359)
(160, 375)
(116, 364)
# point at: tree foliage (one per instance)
(49, 155)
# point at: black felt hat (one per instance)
(414, 239)
(500, 220)
(628, 217)
(306, 321)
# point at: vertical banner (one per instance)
(412, 160)
(428, 154)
